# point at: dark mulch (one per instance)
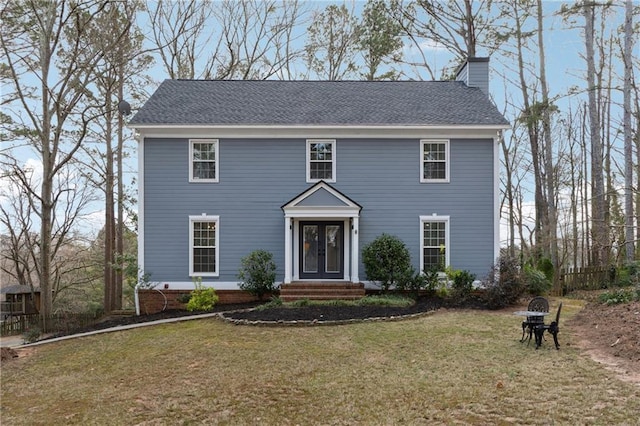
(335, 313)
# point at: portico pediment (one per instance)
(321, 200)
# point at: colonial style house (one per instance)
(312, 171)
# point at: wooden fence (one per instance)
(58, 323)
(587, 278)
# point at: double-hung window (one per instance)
(204, 247)
(434, 237)
(321, 160)
(203, 160)
(434, 160)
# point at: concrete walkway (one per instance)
(10, 341)
(16, 341)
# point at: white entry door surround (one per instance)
(321, 202)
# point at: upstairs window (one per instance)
(434, 161)
(203, 164)
(204, 243)
(321, 160)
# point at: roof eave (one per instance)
(317, 131)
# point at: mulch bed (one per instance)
(328, 313)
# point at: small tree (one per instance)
(258, 273)
(387, 260)
(536, 281)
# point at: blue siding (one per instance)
(321, 197)
(258, 176)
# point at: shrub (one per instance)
(258, 273)
(619, 296)
(202, 298)
(503, 286)
(31, 335)
(431, 280)
(275, 302)
(627, 275)
(536, 281)
(412, 282)
(461, 283)
(386, 260)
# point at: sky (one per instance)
(565, 68)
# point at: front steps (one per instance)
(325, 290)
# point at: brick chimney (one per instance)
(475, 73)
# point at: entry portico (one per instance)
(321, 236)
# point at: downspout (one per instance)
(136, 298)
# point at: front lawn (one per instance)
(453, 367)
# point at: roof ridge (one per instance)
(308, 81)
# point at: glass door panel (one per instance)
(333, 249)
(310, 249)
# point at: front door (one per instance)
(321, 250)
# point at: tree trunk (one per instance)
(551, 231)
(628, 132)
(120, 191)
(109, 231)
(598, 225)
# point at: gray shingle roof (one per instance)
(271, 102)
(18, 289)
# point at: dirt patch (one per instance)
(611, 336)
(7, 354)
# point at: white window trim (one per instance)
(217, 146)
(333, 160)
(446, 143)
(447, 245)
(204, 218)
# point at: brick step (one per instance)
(345, 293)
(322, 285)
(321, 291)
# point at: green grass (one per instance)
(453, 367)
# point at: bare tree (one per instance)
(48, 74)
(628, 133)
(551, 227)
(461, 27)
(531, 112)
(599, 226)
(246, 39)
(180, 35)
(122, 67)
(22, 245)
(19, 245)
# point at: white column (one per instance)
(355, 249)
(496, 198)
(287, 250)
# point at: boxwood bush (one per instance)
(386, 260)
